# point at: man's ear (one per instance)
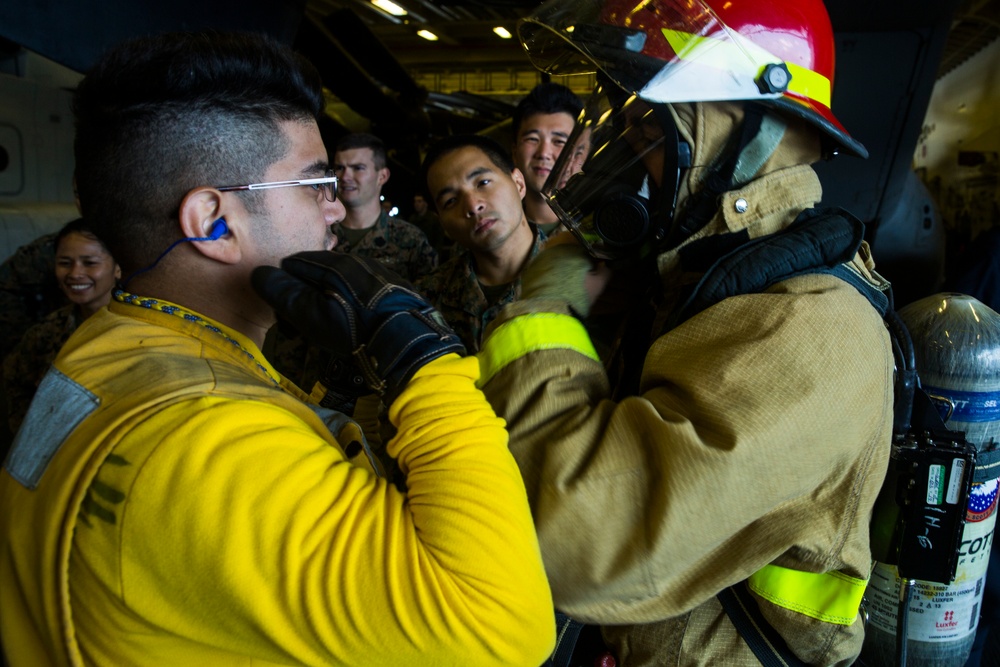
(200, 213)
(519, 182)
(383, 176)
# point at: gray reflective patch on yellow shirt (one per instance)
(350, 436)
(59, 405)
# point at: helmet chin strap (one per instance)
(748, 149)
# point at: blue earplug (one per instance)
(219, 229)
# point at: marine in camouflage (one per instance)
(397, 244)
(454, 289)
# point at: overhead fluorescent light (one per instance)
(389, 7)
(502, 31)
(428, 35)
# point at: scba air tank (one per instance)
(956, 341)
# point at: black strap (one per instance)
(987, 465)
(760, 636)
(818, 241)
(567, 633)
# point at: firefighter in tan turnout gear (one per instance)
(732, 443)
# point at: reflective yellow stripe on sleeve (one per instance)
(832, 597)
(531, 333)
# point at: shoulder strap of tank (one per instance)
(819, 241)
(765, 642)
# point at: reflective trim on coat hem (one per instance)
(832, 597)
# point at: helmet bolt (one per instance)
(774, 79)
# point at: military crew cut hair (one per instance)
(545, 98)
(159, 116)
(494, 151)
(364, 140)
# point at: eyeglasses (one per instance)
(328, 184)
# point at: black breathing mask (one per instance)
(615, 182)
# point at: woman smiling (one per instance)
(86, 273)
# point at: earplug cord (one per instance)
(218, 229)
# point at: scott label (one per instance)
(970, 406)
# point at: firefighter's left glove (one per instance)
(372, 321)
(560, 272)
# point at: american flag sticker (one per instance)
(982, 501)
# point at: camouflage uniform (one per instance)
(28, 289)
(396, 243)
(24, 368)
(455, 291)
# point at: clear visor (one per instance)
(600, 186)
(659, 50)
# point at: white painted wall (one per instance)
(36, 139)
(964, 115)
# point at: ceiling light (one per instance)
(428, 35)
(502, 31)
(389, 7)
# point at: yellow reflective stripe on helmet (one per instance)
(832, 597)
(724, 54)
(530, 333)
(809, 84)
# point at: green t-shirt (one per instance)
(354, 236)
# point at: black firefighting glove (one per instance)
(377, 328)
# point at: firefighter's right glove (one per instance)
(560, 272)
(374, 324)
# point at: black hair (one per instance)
(82, 227)
(364, 140)
(546, 98)
(159, 116)
(494, 151)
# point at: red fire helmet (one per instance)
(780, 52)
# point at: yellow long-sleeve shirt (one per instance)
(203, 515)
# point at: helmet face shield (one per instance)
(604, 182)
(660, 50)
(667, 51)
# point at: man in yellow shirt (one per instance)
(171, 499)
